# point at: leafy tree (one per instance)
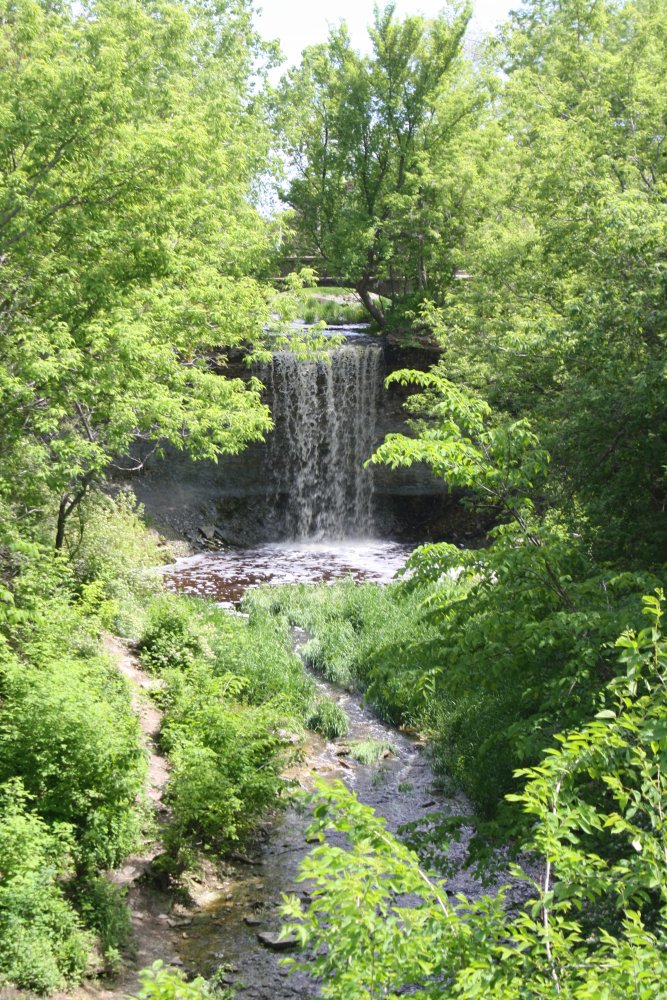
(362, 134)
(129, 247)
(563, 317)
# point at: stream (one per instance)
(222, 928)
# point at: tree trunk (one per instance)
(369, 303)
(62, 517)
(67, 505)
(422, 277)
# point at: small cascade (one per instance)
(325, 416)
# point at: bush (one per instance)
(233, 687)
(489, 664)
(226, 766)
(371, 636)
(329, 719)
(102, 906)
(68, 731)
(170, 638)
(43, 945)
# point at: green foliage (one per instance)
(595, 923)
(170, 638)
(562, 316)
(160, 982)
(226, 769)
(363, 134)
(321, 305)
(112, 554)
(43, 945)
(328, 719)
(69, 738)
(180, 632)
(370, 751)
(363, 940)
(519, 646)
(68, 731)
(356, 630)
(131, 142)
(103, 909)
(331, 652)
(233, 690)
(261, 652)
(226, 757)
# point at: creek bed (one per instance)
(224, 925)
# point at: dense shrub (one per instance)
(170, 639)
(103, 908)
(182, 631)
(43, 944)
(226, 757)
(233, 689)
(68, 731)
(70, 741)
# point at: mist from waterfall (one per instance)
(325, 416)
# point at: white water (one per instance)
(325, 415)
(225, 576)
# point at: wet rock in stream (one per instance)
(275, 942)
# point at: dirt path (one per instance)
(152, 923)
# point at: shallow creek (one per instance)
(223, 928)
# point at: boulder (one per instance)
(275, 942)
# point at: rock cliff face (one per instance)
(307, 480)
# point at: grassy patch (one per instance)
(329, 719)
(335, 306)
(370, 751)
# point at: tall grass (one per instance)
(362, 635)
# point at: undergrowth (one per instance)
(235, 697)
(318, 305)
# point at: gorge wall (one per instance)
(308, 481)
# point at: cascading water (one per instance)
(325, 416)
(311, 494)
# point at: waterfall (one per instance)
(325, 416)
